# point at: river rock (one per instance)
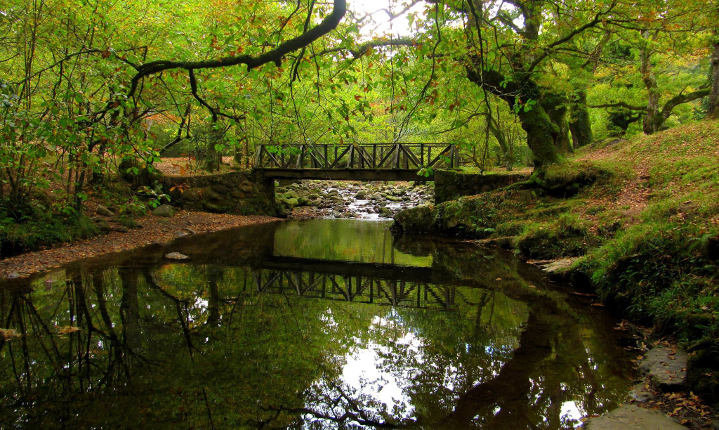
(176, 256)
(630, 417)
(418, 219)
(103, 211)
(666, 368)
(385, 212)
(164, 211)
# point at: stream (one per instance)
(325, 323)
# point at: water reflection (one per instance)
(252, 335)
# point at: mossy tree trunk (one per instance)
(579, 123)
(557, 108)
(546, 139)
(212, 154)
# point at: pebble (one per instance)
(176, 256)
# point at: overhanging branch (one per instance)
(328, 24)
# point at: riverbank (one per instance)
(148, 230)
(635, 221)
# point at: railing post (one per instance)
(326, 165)
(352, 155)
(421, 155)
(374, 155)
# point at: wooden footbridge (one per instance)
(368, 161)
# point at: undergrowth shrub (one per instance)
(661, 272)
(34, 227)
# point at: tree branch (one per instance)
(364, 48)
(682, 98)
(328, 24)
(547, 49)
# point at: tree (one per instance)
(507, 55)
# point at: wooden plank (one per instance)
(337, 158)
(432, 163)
(411, 157)
(386, 156)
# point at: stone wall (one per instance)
(243, 193)
(449, 185)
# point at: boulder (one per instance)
(667, 368)
(164, 211)
(386, 212)
(641, 393)
(417, 219)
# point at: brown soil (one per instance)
(152, 230)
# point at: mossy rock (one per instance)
(545, 243)
(418, 219)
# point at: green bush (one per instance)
(38, 227)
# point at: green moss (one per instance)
(662, 272)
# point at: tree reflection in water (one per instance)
(217, 345)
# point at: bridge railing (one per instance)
(370, 156)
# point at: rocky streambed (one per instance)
(350, 199)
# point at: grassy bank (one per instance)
(641, 216)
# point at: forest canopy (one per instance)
(86, 85)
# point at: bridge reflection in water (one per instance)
(357, 288)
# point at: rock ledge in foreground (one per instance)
(630, 417)
(666, 368)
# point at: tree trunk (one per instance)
(579, 123)
(714, 93)
(543, 136)
(556, 107)
(212, 163)
(504, 146)
(653, 118)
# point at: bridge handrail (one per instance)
(367, 156)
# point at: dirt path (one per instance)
(153, 230)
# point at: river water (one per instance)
(305, 324)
